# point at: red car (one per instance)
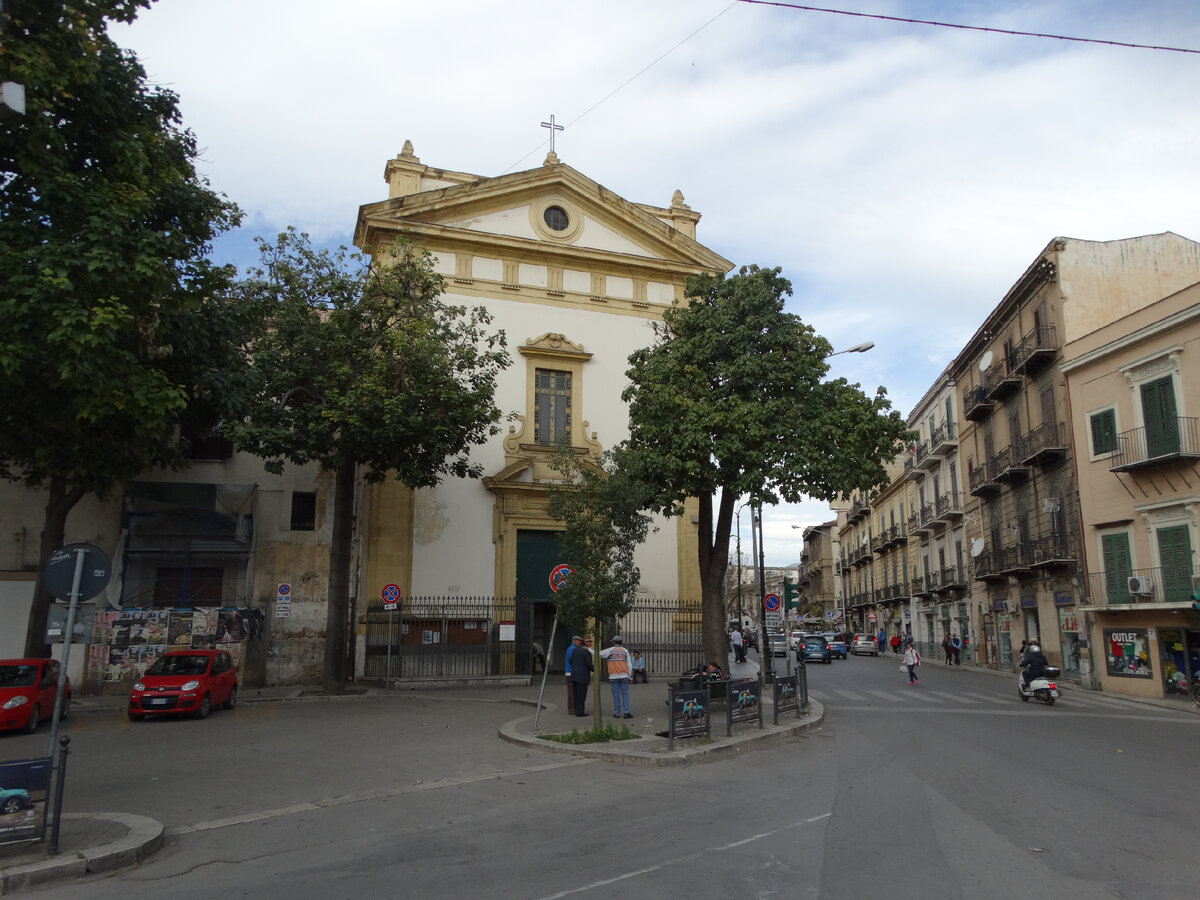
(27, 691)
(185, 682)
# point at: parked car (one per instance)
(13, 800)
(864, 643)
(28, 688)
(794, 639)
(837, 645)
(185, 682)
(815, 647)
(779, 644)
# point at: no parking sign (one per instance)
(391, 596)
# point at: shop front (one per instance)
(1153, 654)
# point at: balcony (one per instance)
(988, 566)
(1036, 351)
(920, 454)
(975, 404)
(1045, 444)
(1017, 559)
(1002, 381)
(1176, 585)
(954, 577)
(922, 520)
(921, 586)
(1054, 550)
(948, 507)
(1175, 439)
(943, 440)
(1008, 469)
(858, 510)
(982, 481)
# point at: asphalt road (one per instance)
(950, 789)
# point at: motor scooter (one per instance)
(1043, 687)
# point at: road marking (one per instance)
(884, 695)
(986, 698)
(682, 860)
(954, 698)
(366, 796)
(849, 695)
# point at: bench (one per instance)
(717, 689)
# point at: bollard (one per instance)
(63, 742)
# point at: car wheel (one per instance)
(135, 717)
(35, 716)
(66, 708)
(204, 708)
(232, 701)
(12, 805)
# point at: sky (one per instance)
(902, 175)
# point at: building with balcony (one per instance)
(1022, 512)
(820, 574)
(872, 549)
(1134, 387)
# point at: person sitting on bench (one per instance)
(639, 668)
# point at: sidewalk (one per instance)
(95, 843)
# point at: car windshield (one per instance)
(180, 665)
(18, 676)
(816, 641)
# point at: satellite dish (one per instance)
(985, 361)
(976, 547)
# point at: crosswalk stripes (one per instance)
(986, 698)
(849, 695)
(955, 698)
(884, 695)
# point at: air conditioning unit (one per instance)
(1140, 585)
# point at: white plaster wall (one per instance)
(15, 599)
(487, 268)
(513, 222)
(600, 237)
(660, 292)
(616, 286)
(457, 514)
(535, 276)
(579, 282)
(443, 263)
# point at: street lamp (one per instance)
(857, 348)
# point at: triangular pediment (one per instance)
(586, 219)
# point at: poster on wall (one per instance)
(204, 628)
(230, 627)
(1127, 652)
(179, 629)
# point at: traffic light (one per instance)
(791, 595)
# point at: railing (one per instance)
(1002, 380)
(1047, 439)
(1035, 350)
(975, 403)
(942, 435)
(1054, 550)
(949, 505)
(1017, 558)
(982, 479)
(1173, 584)
(1176, 438)
(954, 577)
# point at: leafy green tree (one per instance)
(115, 331)
(601, 509)
(730, 402)
(365, 372)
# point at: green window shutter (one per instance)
(1158, 410)
(1175, 555)
(1115, 549)
(1104, 432)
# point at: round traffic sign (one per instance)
(558, 576)
(771, 602)
(60, 572)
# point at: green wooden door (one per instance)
(1116, 567)
(537, 555)
(1162, 423)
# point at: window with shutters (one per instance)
(1103, 425)
(1160, 416)
(1175, 559)
(1114, 551)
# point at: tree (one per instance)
(109, 303)
(601, 508)
(363, 369)
(729, 401)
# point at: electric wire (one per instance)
(906, 21)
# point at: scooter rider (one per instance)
(1034, 663)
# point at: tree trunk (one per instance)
(59, 503)
(338, 600)
(713, 558)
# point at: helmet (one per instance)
(1034, 648)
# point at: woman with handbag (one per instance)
(912, 659)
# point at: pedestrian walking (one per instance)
(948, 649)
(912, 659)
(881, 641)
(739, 646)
(619, 670)
(896, 642)
(956, 646)
(581, 676)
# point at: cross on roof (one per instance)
(553, 128)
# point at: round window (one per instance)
(556, 218)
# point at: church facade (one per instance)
(576, 277)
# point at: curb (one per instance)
(144, 836)
(652, 751)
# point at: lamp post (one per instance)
(857, 348)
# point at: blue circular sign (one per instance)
(771, 602)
